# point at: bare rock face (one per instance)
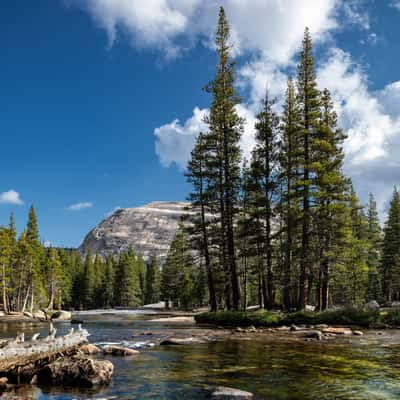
(148, 229)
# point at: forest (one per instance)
(282, 230)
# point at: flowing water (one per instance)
(356, 368)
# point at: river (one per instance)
(356, 368)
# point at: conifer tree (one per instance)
(107, 286)
(88, 278)
(152, 282)
(266, 159)
(309, 103)
(290, 198)
(374, 233)
(127, 288)
(391, 251)
(177, 273)
(223, 158)
(199, 198)
(55, 278)
(330, 200)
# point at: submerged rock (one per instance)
(183, 341)
(227, 393)
(61, 315)
(313, 335)
(338, 331)
(89, 349)
(77, 371)
(119, 351)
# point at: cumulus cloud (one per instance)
(175, 141)
(171, 25)
(79, 206)
(372, 123)
(11, 197)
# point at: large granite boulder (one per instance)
(148, 229)
(77, 371)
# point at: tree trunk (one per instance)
(5, 303)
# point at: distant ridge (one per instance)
(148, 229)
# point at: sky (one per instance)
(101, 100)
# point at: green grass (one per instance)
(262, 318)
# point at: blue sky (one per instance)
(101, 100)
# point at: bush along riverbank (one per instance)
(385, 318)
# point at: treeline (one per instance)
(34, 276)
(285, 228)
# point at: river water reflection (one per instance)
(357, 368)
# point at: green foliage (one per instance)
(178, 277)
(152, 282)
(346, 317)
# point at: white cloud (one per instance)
(172, 25)
(175, 141)
(372, 122)
(79, 206)
(396, 4)
(11, 197)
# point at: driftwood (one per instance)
(18, 355)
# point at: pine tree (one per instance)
(308, 100)
(54, 277)
(196, 175)
(223, 157)
(266, 159)
(391, 250)
(290, 198)
(88, 280)
(177, 273)
(374, 233)
(34, 254)
(152, 282)
(107, 286)
(127, 288)
(6, 253)
(330, 200)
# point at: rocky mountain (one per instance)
(149, 229)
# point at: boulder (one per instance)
(3, 384)
(89, 349)
(28, 314)
(337, 331)
(313, 335)
(61, 315)
(358, 333)
(321, 326)
(395, 304)
(41, 315)
(282, 329)
(119, 351)
(77, 321)
(372, 306)
(77, 371)
(182, 341)
(309, 307)
(227, 393)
